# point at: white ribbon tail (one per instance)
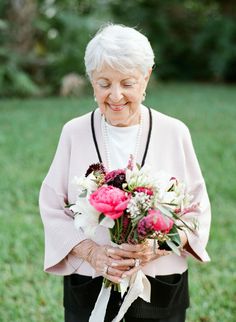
(99, 311)
(139, 287)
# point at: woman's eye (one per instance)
(128, 84)
(104, 85)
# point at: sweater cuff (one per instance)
(74, 261)
(196, 249)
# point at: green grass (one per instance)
(29, 131)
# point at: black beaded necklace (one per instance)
(147, 142)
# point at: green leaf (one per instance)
(174, 235)
(173, 247)
(101, 218)
(165, 211)
(69, 205)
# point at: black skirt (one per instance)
(169, 294)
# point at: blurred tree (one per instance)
(21, 15)
(16, 43)
(192, 39)
(63, 30)
(227, 8)
(44, 40)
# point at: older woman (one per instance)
(119, 63)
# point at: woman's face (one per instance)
(119, 95)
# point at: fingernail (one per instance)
(110, 250)
(124, 275)
(114, 264)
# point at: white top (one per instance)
(122, 142)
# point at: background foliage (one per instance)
(42, 41)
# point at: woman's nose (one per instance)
(116, 93)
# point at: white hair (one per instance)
(122, 48)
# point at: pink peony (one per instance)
(110, 201)
(160, 222)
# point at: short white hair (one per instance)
(120, 47)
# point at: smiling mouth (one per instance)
(117, 107)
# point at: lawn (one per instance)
(29, 131)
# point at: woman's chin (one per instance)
(118, 117)
(121, 116)
(118, 122)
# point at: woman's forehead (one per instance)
(107, 72)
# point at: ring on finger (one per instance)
(136, 262)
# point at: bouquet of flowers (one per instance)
(135, 204)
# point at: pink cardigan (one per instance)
(170, 150)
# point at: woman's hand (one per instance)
(116, 263)
(103, 259)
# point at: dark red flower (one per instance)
(97, 168)
(115, 178)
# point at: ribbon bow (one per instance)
(139, 286)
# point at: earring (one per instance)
(144, 96)
(95, 100)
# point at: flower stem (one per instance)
(107, 283)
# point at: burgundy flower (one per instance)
(145, 226)
(97, 168)
(115, 178)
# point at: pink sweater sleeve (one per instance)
(60, 234)
(197, 188)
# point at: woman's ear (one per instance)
(148, 74)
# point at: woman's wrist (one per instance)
(84, 249)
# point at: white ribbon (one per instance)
(99, 311)
(139, 286)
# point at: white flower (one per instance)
(86, 217)
(85, 183)
(139, 203)
(162, 180)
(140, 177)
(171, 191)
